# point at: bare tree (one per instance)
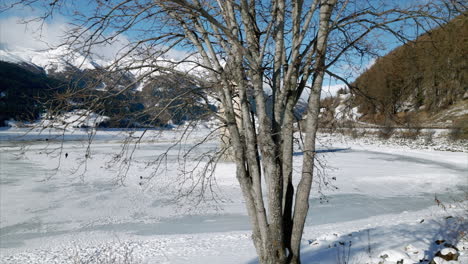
(260, 58)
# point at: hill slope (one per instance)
(24, 91)
(424, 81)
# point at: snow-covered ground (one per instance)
(68, 202)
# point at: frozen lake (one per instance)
(44, 195)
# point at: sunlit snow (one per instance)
(61, 200)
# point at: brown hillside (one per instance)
(420, 79)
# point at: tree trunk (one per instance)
(303, 190)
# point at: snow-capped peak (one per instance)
(51, 60)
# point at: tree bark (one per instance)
(303, 190)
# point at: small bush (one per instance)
(386, 131)
(459, 131)
(356, 133)
(411, 133)
(429, 137)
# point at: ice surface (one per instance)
(47, 199)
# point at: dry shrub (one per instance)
(356, 133)
(411, 124)
(459, 131)
(411, 133)
(429, 137)
(386, 131)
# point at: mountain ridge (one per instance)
(121, 95)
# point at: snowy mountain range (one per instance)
(129, 86)
(51, 60)
(63, 58)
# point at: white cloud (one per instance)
(328, 90)
(15, 33)
(109, 51)
(331, 90)
(370, 63)
(178, 54)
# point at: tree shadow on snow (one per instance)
(361, 246)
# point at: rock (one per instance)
(394, 256)
(448, 254)
(448, 245)
(411, 249)
(414, 253)
(437, 260)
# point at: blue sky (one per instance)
(15, 34)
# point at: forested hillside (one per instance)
(419, 79)
(25, 91)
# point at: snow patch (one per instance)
(74, 119)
